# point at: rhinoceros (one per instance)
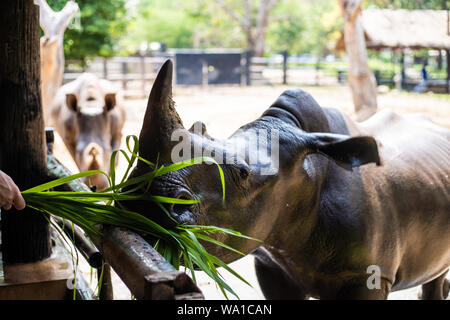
(89, 115)
(351, 210)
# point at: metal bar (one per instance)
(205, 73)
(285, 57)
(248, 58)
(88, 251)
(106, 291)
(92, 256)
(447, 53)
(403, 72)
(124, 75)
(105, 68)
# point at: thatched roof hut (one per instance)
(414, 29)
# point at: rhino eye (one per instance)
(244, 172)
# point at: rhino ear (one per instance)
(346, 151)
(160, 119)
(110, 101)
(72, 102)
(199, 128)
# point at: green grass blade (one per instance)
(61, 181)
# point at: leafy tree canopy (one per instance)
(296, 26)
(408, 4)
(101, 23)
(300, 26)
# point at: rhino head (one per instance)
(263, 166)
(92, 127)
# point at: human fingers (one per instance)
(19, 201)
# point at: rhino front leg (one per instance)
(275, 283)
(437, 289)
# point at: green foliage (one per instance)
(287, 26)
(308, 26)
(181, 24)
(299, 26)
(102, 23)
(408, 4)
(157, 21)
(213, 28)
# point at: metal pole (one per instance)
(377, 77)
(248, 58)
(204, 73)
(105, 283)
(402, 61)
(285, 57)
(105, 68)
(124, 75)
(447, 53)
(88, 251)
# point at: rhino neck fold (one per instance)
(297, 107)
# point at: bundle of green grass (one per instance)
(90, 209)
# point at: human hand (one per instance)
(9, 193)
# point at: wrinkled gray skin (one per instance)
(323, 218)
(89, 115)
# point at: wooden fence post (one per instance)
(25, 234)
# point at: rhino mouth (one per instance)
(167, 215)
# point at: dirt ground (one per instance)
(225, 109)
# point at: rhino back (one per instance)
(401, 209)
(414, 182)
(396, 216)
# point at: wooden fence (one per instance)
(135, 74)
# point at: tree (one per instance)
(53, 25)
(102, 23)
(360, 78)
(253, 19)
(25, 235)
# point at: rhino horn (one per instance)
(161, 118)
